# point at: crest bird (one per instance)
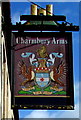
(27, 74)
(59, 73)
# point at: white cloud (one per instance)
(16, 16)
(71, 113)
(76, 89)
(55, 114)
(38, 114)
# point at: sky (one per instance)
(71, 11)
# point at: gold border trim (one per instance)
(43, 96)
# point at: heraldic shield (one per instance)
(42, 79)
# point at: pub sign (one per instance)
(42, 70)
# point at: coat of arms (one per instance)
(42, 77)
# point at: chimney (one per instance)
(41, 12)
(33, 9)
(49, 9)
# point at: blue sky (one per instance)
(71, 11)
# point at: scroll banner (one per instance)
(42, 71)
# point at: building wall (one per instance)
(5, 90)
(6, 111)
